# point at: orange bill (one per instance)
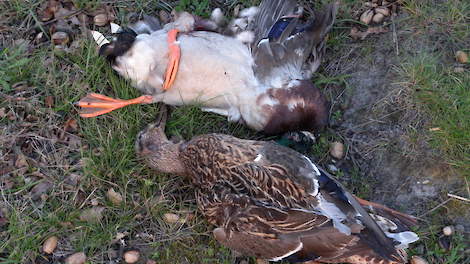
(174, 59)
(96, 104)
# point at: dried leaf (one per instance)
(357, 34)
(21, 161)
(48, 13)
(39, 189)
(71, 125)
(49, 100)
(92, 215)
(2, 112)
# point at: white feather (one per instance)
(99, 38)
(298, 248)
(217, 16)
(115, 28)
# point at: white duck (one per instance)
(264, 84)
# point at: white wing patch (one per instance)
(258, 158)
(297, 249)
(331, 211)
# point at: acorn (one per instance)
(337, 150)
(76, 258)
(448, 230)
(101, 20)
(171, 218)
(418, 260)
(50, 245)
(131, 256)
(378, 18)
(461, 56)
(382, 10)
(60, 38)
(366, 17)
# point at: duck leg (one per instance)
(411, 220)
(96, 104)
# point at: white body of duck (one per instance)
(265, 85)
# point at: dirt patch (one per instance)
(383, 127)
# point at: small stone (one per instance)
(459, 69)
(448, 230)
(171, 218)
(337, 150)
(131, 256)
(366, 17)
(378, 18)
(101, 20)
(114, 197)
(60, 38)
(76, 258)
(461, 56)
(332, 168)
(50, 245)
(418, 260)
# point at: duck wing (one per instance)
(284, 44)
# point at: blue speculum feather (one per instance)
(278, 28)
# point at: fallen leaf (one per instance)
(49, 100)
(3, 221)
(71, 125)
(355, 33)
(39, 189)
(2, 112)
(48, 12)
(92, 215)
(21, 161)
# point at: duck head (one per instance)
(123, 43)
(154, 147)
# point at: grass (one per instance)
(82, 164)
(445, 96)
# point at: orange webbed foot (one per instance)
(96, 104)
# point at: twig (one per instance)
(458, 197)
(435, 208)
(394, 29)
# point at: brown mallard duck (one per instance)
(264, 83)
(271, 202)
